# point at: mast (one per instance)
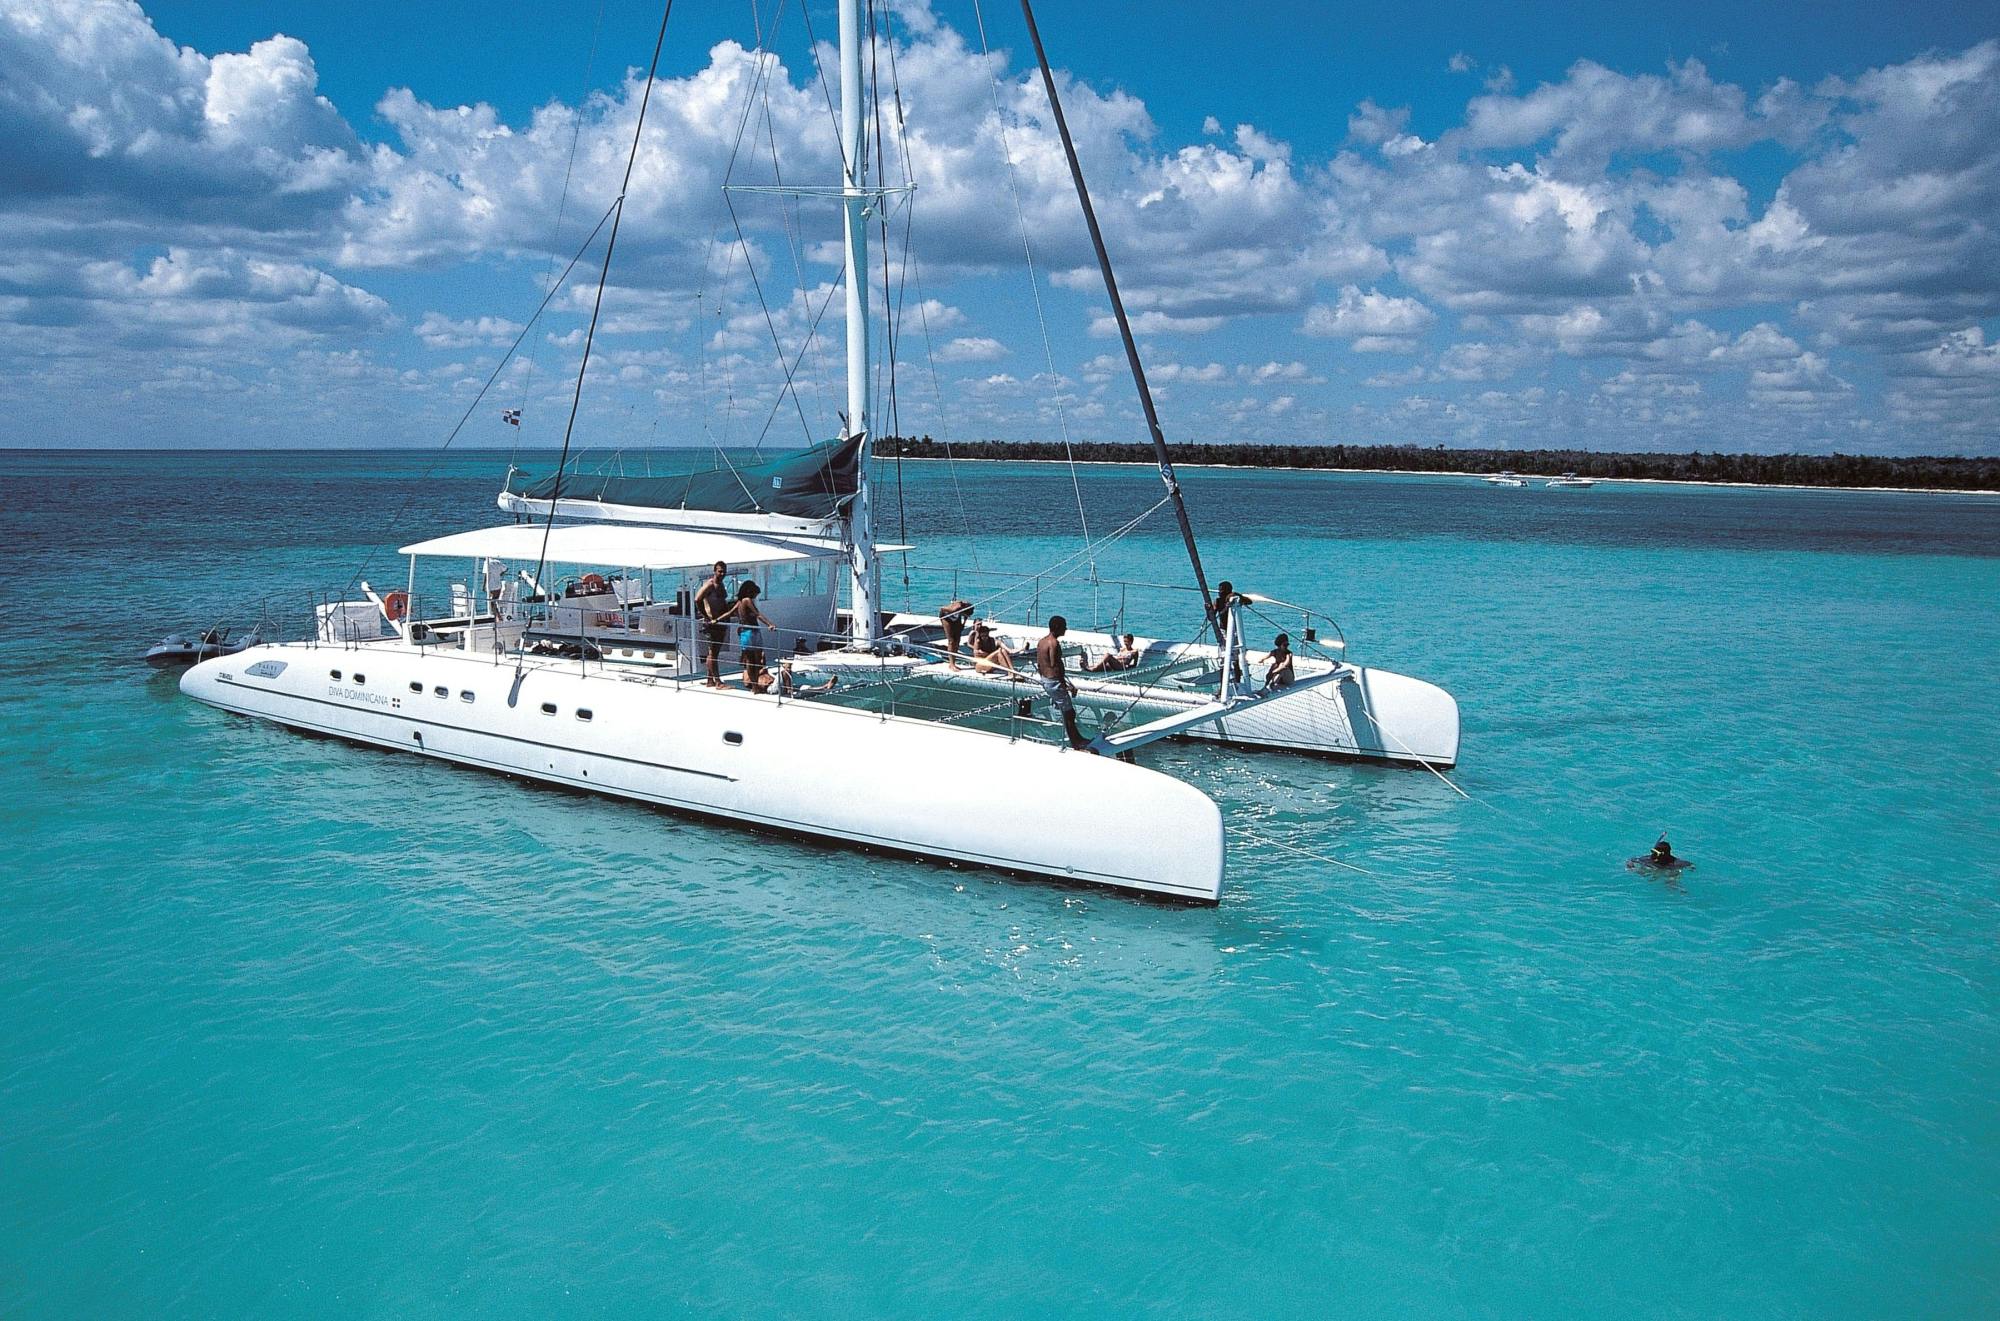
(1124, 326)
(866, 588)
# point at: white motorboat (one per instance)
(1567, 480)
(1505, 479)
(595, 668)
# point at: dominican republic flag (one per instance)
(511, 416)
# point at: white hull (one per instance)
(933, 791)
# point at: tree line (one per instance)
(1926, 472)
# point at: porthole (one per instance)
(548, 708)
(583, 713)
(335, 674)
(441, 691)
(733, 739)
(359, 678)
(416, 687)
(465, 695)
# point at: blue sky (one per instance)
(1700, 227)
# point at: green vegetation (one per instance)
(1924, 473)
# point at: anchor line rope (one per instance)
(603, 278)
(1251, 835)
(395, 519)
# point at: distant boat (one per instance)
(1505, 479)
(1569, 479)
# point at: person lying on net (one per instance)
(788, 683)
(1125, 657)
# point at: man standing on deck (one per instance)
(710, 603)
(1055, 682)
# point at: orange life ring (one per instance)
(395, 605)
(594, 583)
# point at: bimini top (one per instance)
(620, 545)
(802, 493)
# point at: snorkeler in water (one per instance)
(1661, 858)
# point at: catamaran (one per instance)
(579, 644)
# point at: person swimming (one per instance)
(1660, 858)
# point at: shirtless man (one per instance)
(1055, 682)
(710, 604)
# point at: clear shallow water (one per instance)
(292, 1028)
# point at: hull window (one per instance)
(548, 708)
(583, 713)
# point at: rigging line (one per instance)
(915, 270)
(1034, 277)
(826, 89)
(1050, 572)
(891, 311)
(937, 396)
(603, 278)
(562, 208)
(1118, 310)
(493, 376)
(764, 59)
(812, 330)
(902, 294)
(795, 245)
(770, 323)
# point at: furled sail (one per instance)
(803, 492)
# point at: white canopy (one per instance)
(620, 545)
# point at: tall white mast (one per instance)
(866, 592)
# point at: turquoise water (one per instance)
(289, 1028)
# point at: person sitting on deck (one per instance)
(788, 683)
(988, 655)
(953, 614)
(1281, 674)
(1125, 657)
(747, 618)
(711, 603)
(1055, 682)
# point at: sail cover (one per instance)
(813, 483)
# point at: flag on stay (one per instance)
(511, 416)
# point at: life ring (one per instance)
(594, 583)
(395, 605)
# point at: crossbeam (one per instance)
(1125, 740)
